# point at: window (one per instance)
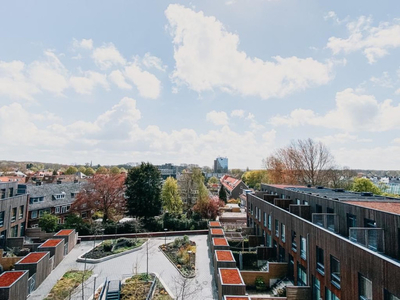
(73, 195)
(364, 288)
(265, 219)
(256, 213)
(21, 212)
(251, 208)
(294, 243)
(335, 272)
(10, 192)
(269, 240)
(13, 214)
(1, 218)
(42, 212)
(330, 210)
(369, 223)
(305, 202)
(318, 208)
(303, 247)
(298, 201)
(269, 222)
(320, 261)
(259, 215)
(301, 275)
(84, 215)
(390, 296)
(329, 295)
(283, 232)
(33, 214)
(63, 209)
(351, 222)
(57, 209)
(36, 199)
(14, 231)
(317, 289)
(59, 196)
(3, 193)
(276, 227)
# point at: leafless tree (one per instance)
(302, 162)
(186, 288)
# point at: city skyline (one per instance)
(171, 81)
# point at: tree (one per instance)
(143, 191)
(253, 179)
(302, 162)
(103, 193)
(71, 170)
(89, 171)
(114, 170)
(82, 169)
(222, 194)
(213, 180)
(170, 196)
(237, 173)
(341, 178)
(102, 170)
(208, 208)
(365, 185)
(48, 222)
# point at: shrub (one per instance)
(107, 246)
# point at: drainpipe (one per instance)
(308, 259)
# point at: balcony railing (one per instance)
(372, 238)
(327, 221)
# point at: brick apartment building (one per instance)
(343, 245)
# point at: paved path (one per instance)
(201, 287)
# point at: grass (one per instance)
(104, 249)
(70, 280)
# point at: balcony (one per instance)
(327, 221)
(372, 238)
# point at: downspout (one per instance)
(308, 259)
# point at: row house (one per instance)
(53, 199)
(13, 208)
(233, 186)
(341, 245)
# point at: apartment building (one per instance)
(342, 245)
(13, 208)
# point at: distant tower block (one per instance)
(221, 165)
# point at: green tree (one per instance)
(143, 191)
(170, 196)
(115, 170)
(102, 170)
(82, 169)
(71, 170)
(48, 222)
(213, 180)
(365, 185)
(253, 179)
(89, 171)
(222, 194)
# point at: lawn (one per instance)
(70, 280)
(182, 252)
(110, 247)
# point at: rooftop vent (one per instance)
(339, 190)
(59, 181)
(366, 194)
(308, 185)
(320, 187)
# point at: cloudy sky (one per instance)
(184, 82)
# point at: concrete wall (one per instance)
(56, 252)
(18, 291)
(37, 233)
(8, 262)
(41, 269)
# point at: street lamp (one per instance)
(190, 257)
(165, 236)
(94, 285)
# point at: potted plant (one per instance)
(260, 284)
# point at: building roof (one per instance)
(229, 182)
(51, 243)
(220, 242)
(214, 224)
(217, 231)
(391, 207)
(48, 190)
(230, 276)
(224, 255)
(64, 232)
(32, 257)
(9, 277)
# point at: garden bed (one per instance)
(70, 280)
(111, 247)
(178, 253)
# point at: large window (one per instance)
(335, 272)
(283, 234)
(276, 227)
(330, 296)
(301, 275)
(33, 214)
(390, 296)
(303, 247)
(351, 222)
(13, 214)
(294, 243)
(10, 192)
(1, 218)
(3, 193)
(21, 212)
(265, 219)
(269, 240)
(269, 222)
(364, 288)
(316, 289)
(320, 261)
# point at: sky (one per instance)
(163, 81)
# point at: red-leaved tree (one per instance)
(102, 193)
(208, 208)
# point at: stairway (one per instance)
(113, 290)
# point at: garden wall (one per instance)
(276, 271)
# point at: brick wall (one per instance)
(276, 271)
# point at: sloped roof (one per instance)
(230, 182)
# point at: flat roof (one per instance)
(236, 297)
(9, 277)
(220, 242)
(224, 255)
(51, 243)
(215, 224)
(64, 232)
(230, 276)
(391, 207)
(217, 231)
(33, 257)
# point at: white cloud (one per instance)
(84, 44)
(384, 81)
(14, 83)
(147, 84)
(118, 78)
(374, 42)
(217, 118)
(50, 74)
(396, 141)
(107, 56)
(153, 61)
(85, 84)
(207, 57)
(238, 113)
(353, 112)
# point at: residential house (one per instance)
(233, 186)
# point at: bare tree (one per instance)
(186, 288)
(302, 162)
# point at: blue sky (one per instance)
(184, 82)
